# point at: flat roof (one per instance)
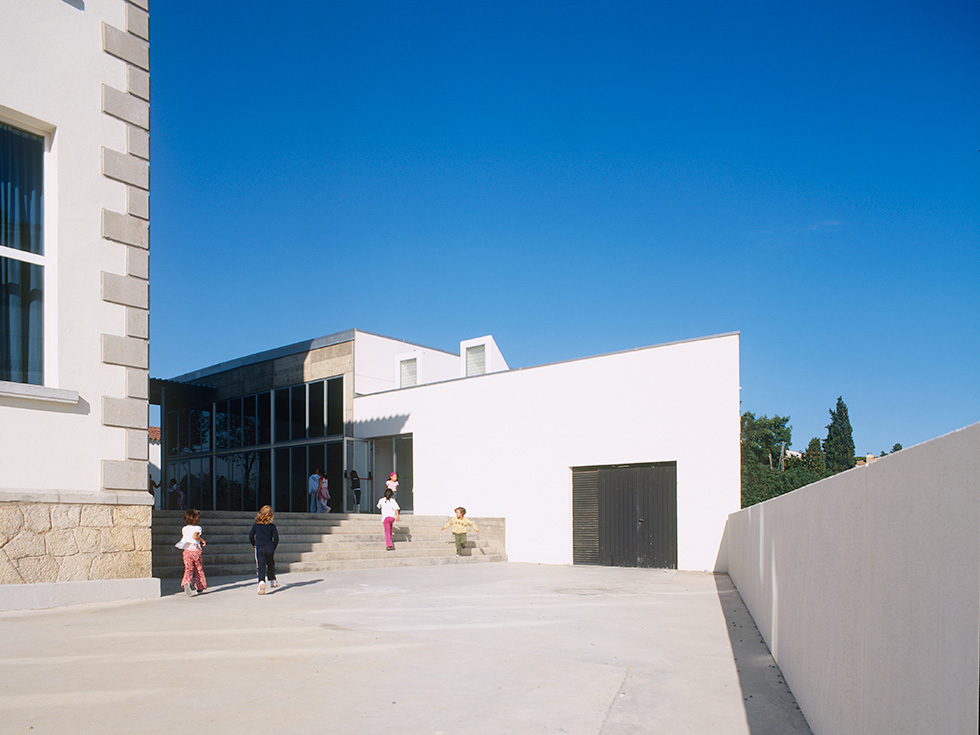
(309, 345)
(552, 364)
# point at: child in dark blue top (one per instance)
(265, 538)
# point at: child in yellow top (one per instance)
(459, 524)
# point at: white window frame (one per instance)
(50, 389)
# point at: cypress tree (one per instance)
(838, 447)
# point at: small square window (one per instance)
(408, 374)
(476, 360)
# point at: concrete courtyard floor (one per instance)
(476, 648)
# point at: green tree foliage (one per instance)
(896, 448)
(762, 437)
(762, 443)
(838, 447)
(813, 458)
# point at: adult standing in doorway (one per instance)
(314, 488)
(389, 514)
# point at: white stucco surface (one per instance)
(866, 586)
(376, 361)
(52, 446)
(504, 444)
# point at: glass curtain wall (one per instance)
(260, 449)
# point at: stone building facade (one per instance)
(74, 325)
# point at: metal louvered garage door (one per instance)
(625, 516)
(585, 516)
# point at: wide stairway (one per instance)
(317, 543)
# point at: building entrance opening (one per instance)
(625, 515)
(394, 454)
(359, 461)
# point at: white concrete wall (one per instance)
(866, 586)
(376, 363)
(52, 439)
(504, 444)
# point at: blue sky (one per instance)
(580, 178)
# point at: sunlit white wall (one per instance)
(504, 444)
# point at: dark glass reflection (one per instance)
(264, 418)
(235, 422)
(297, 412)
(335, 406)
(298, 479)
(282, 415)
(249, 428)
(282, 479)
(221, 426)
(316, 409)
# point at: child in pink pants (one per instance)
(389, 514)
(191, 543)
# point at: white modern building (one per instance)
(627, 459)
(74, 299)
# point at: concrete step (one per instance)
(392, 560)
(389, 559)
(329, 541)
(335, 548)
(406, 551)
(346, 551)
(313, 542)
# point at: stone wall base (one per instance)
(59, 594)
(46, 542)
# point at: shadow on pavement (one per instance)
(770, 707)
(216, 585)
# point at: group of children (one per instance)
(264, 538)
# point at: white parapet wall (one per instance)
(866, 586)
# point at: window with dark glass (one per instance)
(194, 429)
(335, 406)
(222, 483)
(281, 457)
(316, 409)
(249, 429)
(282, 415)
(298, 498)
(204, 426)
(171, 435)
(178, 471)
(183, 432)
(297, 412)
(199, 484)
(264, 417)
(221, 426)
(265, 479)
(235, 422)
(21, 256)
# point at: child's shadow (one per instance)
(276, 590)
(174, 588)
